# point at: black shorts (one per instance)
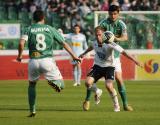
(98, 72)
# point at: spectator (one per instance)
(84, 9)
(72, 8)
(105, 5)
(125, 6)
(95, 6)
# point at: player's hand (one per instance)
(19, 59)
(78, 60)
(139, 64)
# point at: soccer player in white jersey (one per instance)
(78, 43)
(41, 38)
(104, 65)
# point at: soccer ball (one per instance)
(108, 37)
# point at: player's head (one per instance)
(77, 28)
(113, 12)
(99, 34)
(38, 16)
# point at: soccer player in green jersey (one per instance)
(41, 38)
(118, 27)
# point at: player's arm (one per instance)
(123, 52)
(122, 38)
(69, 50)
(21, 44)
(90, 48)
(20, 49)
(132, 58)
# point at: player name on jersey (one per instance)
(40, 29)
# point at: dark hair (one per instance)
(114, 8)
(77, 25)
(38, 15)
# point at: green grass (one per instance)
(66, 108)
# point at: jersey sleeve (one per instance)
(124, 27)
(116, 47)
(57, 36)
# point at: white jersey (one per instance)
(77, 42)
(104, 56)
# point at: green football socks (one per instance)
(122, 92)
(88, 95)
(32, 97)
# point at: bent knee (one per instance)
(89, 81)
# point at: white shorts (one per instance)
(117, 65)
(45, 66)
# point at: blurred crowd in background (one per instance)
(65, 14)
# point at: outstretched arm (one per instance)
(132, 58)
(85, 52)
(20, 49)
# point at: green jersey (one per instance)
(118, 27)
(41, 40)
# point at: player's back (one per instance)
(40, 40)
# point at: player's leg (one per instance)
(109, 77)
(33, 74)
(88, 83)
(32, 98)
(98, 93)
(122, 91)
(75, 72)
(52, 74)
(121, 85)
(58, 84)
(92, 77)
(113, 94)
(79, 73)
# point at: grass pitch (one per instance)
(65, 108)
